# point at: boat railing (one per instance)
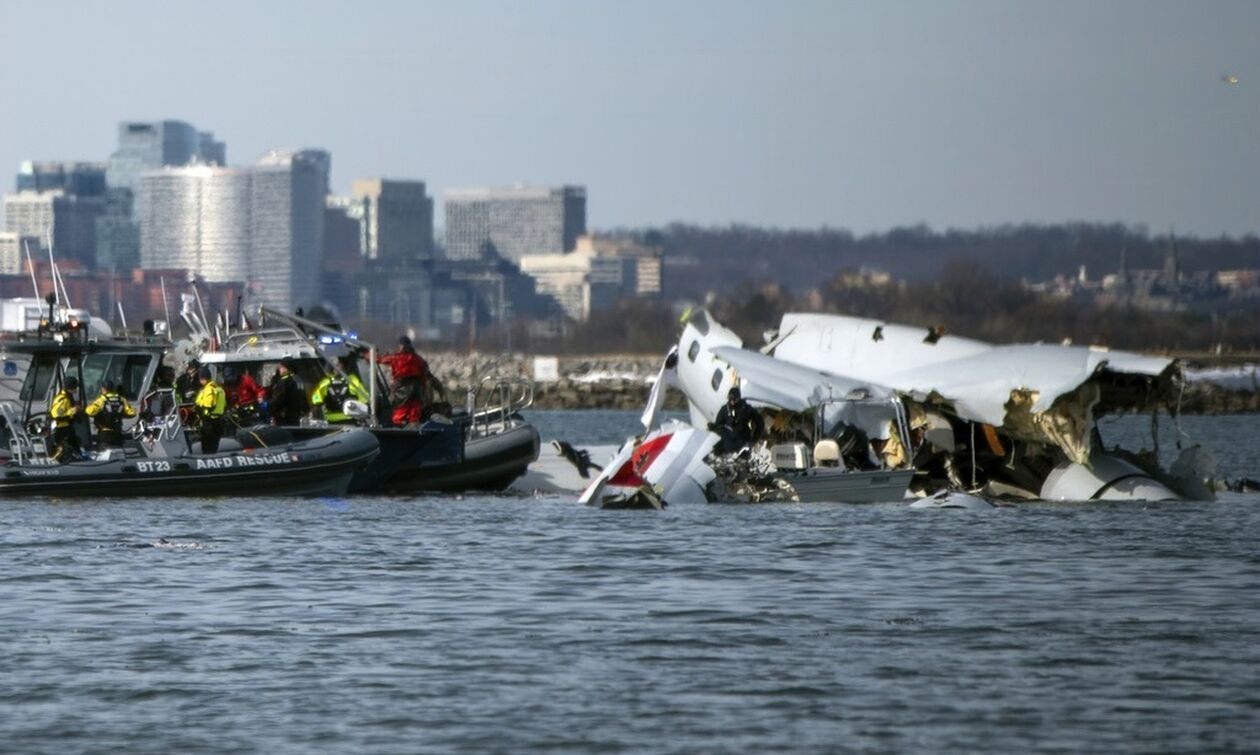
(495, 400)
(25, 448)
(167, 424)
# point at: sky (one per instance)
(792, 113)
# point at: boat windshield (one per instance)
(39, 377)
(128, 371)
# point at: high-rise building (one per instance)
(398, 219)
(287, 227)
(583, 281)
(263, 224)
(145, 146)
(12, 255)
(82, 179)
(68, 220)
(197, 218)
(117, 234)
(514, 222)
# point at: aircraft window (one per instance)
(717, 378)
(693, 350)
(700, 321)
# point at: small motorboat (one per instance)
(484, 445)
(163, 463)
(159, 455)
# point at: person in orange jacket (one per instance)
(410, 379)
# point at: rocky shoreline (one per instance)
(623, 381)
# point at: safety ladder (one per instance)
(24, 448)
(494, 402)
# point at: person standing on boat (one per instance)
(286, 398)
(737, 423)
(242, 395)
(188, 385)
(411, 377)
(109, 409)
(211, 404)
(62, 411)
(331, 394)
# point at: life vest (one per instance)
(337, 393)
(63, 409)
(111, 414)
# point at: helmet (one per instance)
(71, 382)
(229, 373)
(205, 372)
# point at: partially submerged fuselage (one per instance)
(1015, 421)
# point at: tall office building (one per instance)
(68, 220)
(197, 218)
(144, 146)
(81, 179)
(398, 219)
(514, 221)
(263, 225)
(148, 145)
(12, 255)
(287, 227)
(117, 234)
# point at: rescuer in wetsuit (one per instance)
(286, 398)
(188, 385)
(411, 378)
(62, 411)
(737, 423)
(211, 404)
(243, 394)
(332, 393)
(109, 409)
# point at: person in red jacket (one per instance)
(411, 377)
(243, 394)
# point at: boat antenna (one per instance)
(56, 273)
(166, 306)
(30, 265)
(197, 296)
(122, 315)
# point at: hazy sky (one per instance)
(863, 115)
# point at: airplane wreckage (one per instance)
(857, 410)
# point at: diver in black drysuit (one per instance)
(737, 423)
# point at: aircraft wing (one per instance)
(775, 382)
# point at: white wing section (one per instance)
(774, 382)
(976, 377)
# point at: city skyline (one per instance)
(804, 115)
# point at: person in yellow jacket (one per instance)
(109, 409)
(211, 404)
(332, 393)
(62, 411)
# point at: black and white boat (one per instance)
(159, 456)
(485, 444)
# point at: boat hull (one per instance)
(489, 463)
(318, 467)
(437, 458)
(843, 486)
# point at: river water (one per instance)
(496, 624)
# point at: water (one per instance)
(491, 624)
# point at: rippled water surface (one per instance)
(497, 624)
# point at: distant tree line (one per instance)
(700, 260)
(965, 298)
